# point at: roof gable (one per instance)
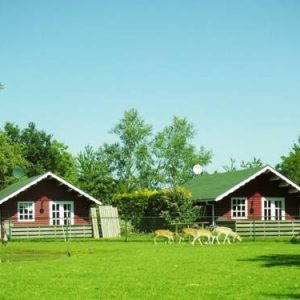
(209, 187)
(12, 188)
(24, 184)
(217, 186)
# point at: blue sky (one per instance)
(231, 67)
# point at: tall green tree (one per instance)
(175, 155)
(131, 154)
(41, 151)
(13, 132)
(120, 167)
(139, 160)
(95, 174)
(10, 158)
(290, 164)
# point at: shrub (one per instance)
(150, 209)
(126, 225)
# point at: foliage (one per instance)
(10, 158)
(1, 86)
(290, 164)
(132, 206)
(231, 167)
(175, 155)
(138, 160)
(145, 207)
(40, 151)
(126, 227)
(131, 154)
(95, 174)
(123, 166)
(254, 163)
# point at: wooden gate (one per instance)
(108, 219)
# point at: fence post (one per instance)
(126, 230)
(1, 226)
(68, 230)
(254, 231)
(9, 228)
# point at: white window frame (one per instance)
(61, 203)
(246, 208)
(273, 199)
(33, 211)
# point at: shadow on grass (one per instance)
(282, 296)
(277, 260)
(296, 239)
(20, 255)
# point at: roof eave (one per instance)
(44, 176)
(205, 200)
(252, 177)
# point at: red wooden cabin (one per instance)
(252, 194)
(45, 200)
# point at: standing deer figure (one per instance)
(203, 233)
(227, 233)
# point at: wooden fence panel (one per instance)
(109, 220)
(267, 228)
(95, 222)
(31, 232)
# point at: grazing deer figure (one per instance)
(203, 233)
(227, 233)
(165, 233)
(191, 232)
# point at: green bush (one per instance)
(126, 225)
(151, 209)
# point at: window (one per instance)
(25, 211)
(239, 208)
(62, 213)
(273, 209)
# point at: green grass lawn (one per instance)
(140, 270)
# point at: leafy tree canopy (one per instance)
(10, 158)
(95, 174)
(130, 155)
(175, 155)
(139, 159)
(290, 164)
(40, 151)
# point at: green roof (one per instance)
(16, 186)
(209, 187)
